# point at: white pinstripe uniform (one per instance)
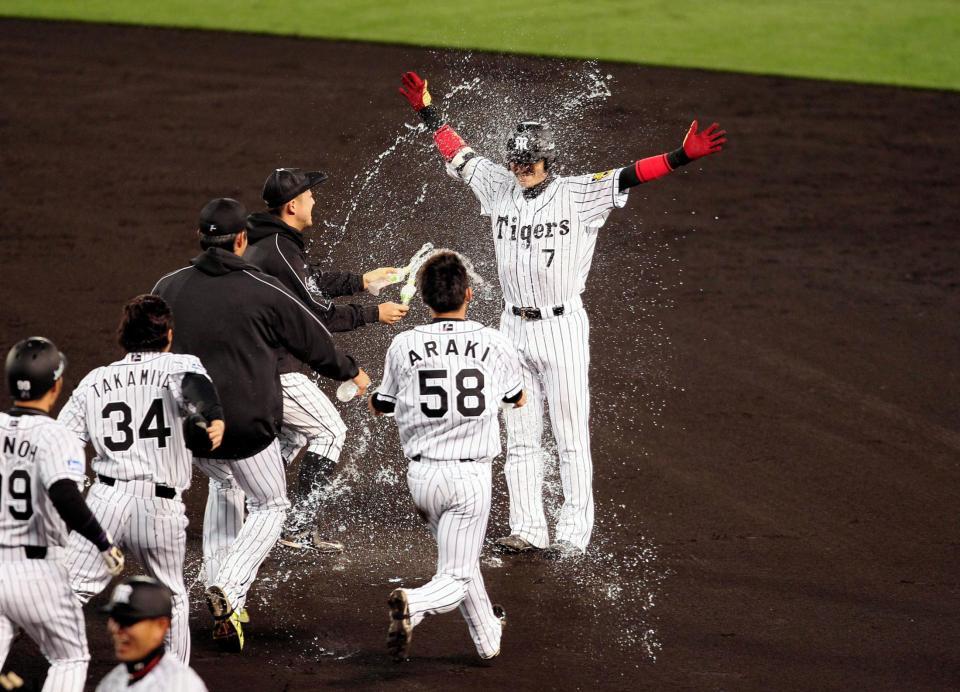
(170, 675)
(544, 249)
(35, 594)
(309, 418)
(446, 380)
(130, 412)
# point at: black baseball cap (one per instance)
(286, 183)
(222, 216)
(139, 598)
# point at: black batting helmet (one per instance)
(531, 142)
(33, 367)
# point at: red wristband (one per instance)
(652, 168)
(448, 142)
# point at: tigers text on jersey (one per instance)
(544, 245)
(36, 453)
(130, 411)
(447, 380)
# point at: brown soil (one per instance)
(775, 361)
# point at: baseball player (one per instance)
(445, 382)
(41, 473)
(236, 319)
(309, 418)
(131, 411)
(140, 611)
(545, 232)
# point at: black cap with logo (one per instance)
(286, 183)
(139, 598)
(222, 216)
(33, 366)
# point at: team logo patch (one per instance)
(601, 176)
(448, 326)
(75, 465)
(122, 593)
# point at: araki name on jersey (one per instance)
(525, 232)
(146, 377)
(432, 349)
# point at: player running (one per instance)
(444, 381)
(41, 473)
(545, 232)
(131, 411)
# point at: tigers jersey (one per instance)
(169, 675)
(446, 380)
(544, 245)
(130, 412)
(37, 452)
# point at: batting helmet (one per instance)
(531, 142)
(33, 367)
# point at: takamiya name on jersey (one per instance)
(540, 230)
(133, 378)
(431, 348)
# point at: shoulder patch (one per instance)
(601, 176)
(75, 465)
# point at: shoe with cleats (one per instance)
(514, 544)
(401, 631)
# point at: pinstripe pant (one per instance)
(234, 549)
(151, 529)
(309, 418)
(455, 498)
(555, 359)
(36, 595)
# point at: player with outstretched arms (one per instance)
(445, 383)
(545, 232)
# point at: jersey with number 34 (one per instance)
(544, 245)
(130, 412)
(446, 380)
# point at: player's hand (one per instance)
(371, 407)
(113, 558)
(383, 276)
(696, 145)
(10, 681)
(415, 91)
(391, 313)
(362, 380)
(215, 430)
(523, 399)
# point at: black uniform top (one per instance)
(278, 249)
(235, 319)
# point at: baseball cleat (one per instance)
(310, 540)
(324, 546)
(230, 631)
(563, 550)
(243, 616)
(501, 615)
(401, 631)
(514, 544)
(217, 603)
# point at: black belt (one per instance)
(419, 456)
(534, 313)
(164, 491)
(35, 552)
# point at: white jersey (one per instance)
(544, 245)
(37, 452)
(447, 380)
(130, 411)
(170, 675)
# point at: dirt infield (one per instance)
(775, 350)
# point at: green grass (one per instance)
(903, 42)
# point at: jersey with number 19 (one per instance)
(447, 380)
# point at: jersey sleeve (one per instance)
(73, 415)
(595, 195)
(63, 458)
(485, 179)
(509, 374)
(390, 386)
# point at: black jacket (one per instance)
(278, 249)
(236, 320)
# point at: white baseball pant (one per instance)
(36, 595)
(555, 359)
(234, 549)
(455, 498)
(151, 529)
(309, 418)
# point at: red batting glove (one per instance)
(699, 144)
(415, 91)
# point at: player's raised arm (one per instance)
(451, 145)
(695, 145)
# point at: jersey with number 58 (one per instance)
(36, 453)
(446, 381)
(130, 412)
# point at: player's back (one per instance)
(449, 377)
(130, 412)
(35, 452)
